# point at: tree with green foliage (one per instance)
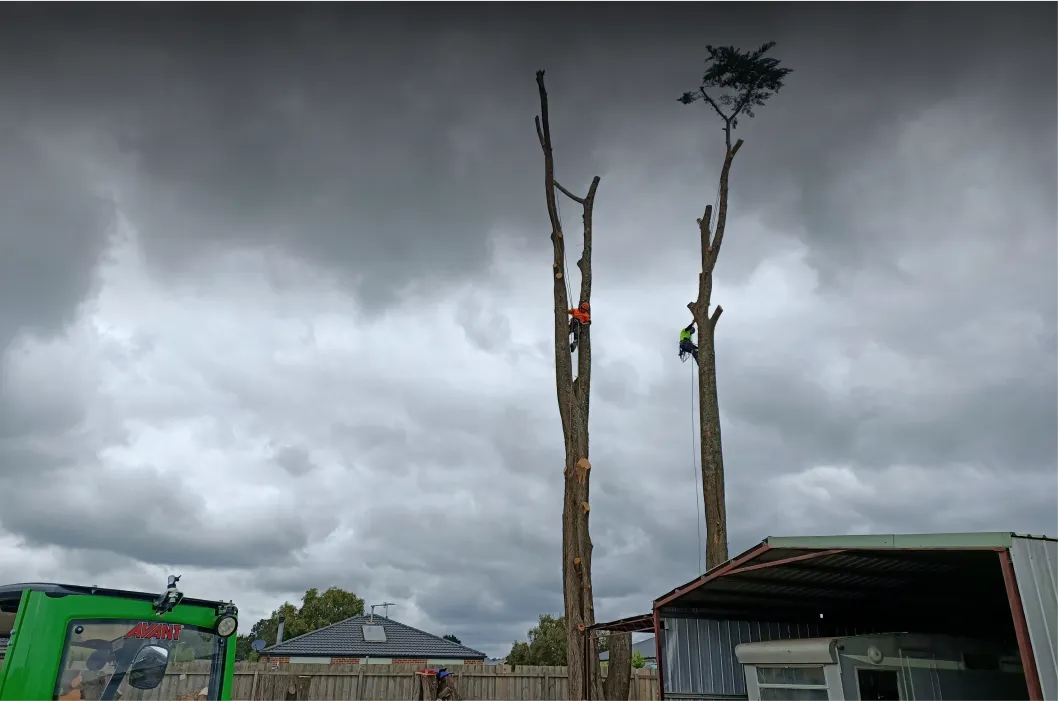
(453, 638)
(735, 83)
(316, 611)
(638, 661)
(547, 644)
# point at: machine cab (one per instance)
(76, 643)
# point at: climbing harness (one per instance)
(687, 347)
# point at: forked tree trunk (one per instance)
(573, 404)
(708, 399)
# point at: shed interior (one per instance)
(954, 592)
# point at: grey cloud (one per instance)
(143, 516)
(485, 328)
(53, 230)
(367, 437)
(296, 460)
(302, 146)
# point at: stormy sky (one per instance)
(275, 294)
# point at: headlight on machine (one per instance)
(226, 626)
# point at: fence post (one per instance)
(359, 682)
(253, 687)
(547, 683)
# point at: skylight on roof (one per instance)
(374, 633)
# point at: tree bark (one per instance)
(619, 667)
(708, 398)
(573, 405)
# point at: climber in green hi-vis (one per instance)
(687, 346)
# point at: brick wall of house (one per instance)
(473, 661)
(279, 660)
(403, 660)
(345, 660)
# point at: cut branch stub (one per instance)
(586, 507)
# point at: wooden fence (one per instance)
(379, 682)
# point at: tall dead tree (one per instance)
(573, 403)
(735, 82)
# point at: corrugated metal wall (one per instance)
(1035, 563)
(699, 654)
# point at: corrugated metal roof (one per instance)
(346, 639)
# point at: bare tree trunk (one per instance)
(619, 667)
(708, 399)
(573, 404)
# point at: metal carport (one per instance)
(996, 585)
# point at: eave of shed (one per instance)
(899, 541)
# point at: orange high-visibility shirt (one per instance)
(580, 315)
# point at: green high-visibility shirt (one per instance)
(685, 335)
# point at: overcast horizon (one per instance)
(275, 297)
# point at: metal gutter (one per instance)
(898, 541)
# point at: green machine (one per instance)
(75, 643)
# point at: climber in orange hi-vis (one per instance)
(581, 316)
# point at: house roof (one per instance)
(346, 639)
(646, 648)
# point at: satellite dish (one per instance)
(258, 645)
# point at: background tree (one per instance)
(734, 84)
(316, 611)
(638, 661)
(573, 406)
(453, 638)
(547, 644)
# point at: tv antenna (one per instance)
(384, 605)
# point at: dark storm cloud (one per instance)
(53, 229)
(361, 140)
(390, 145)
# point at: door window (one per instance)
(878, 684)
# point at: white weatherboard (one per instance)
(374, 633)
